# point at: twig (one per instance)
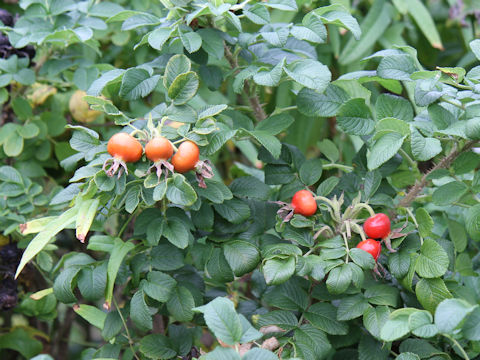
(248, 87)
(443, 164)
(130, 340)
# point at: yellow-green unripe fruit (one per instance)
(80, 109)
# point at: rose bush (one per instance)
(239, 180)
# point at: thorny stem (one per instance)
(248, 87)
(130, 340)
(443, 164)
(457, 344)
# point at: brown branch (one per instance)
(445, 163)
(249, 88)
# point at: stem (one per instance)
(451, 102)
(124, 226)
(130, 341)
(443, 164)
(248, 87)
(412, 162)
(288, 108)
(346, 246)
(455, 342)
(345, 168)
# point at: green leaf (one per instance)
(277, 271)
(328, 148)
(339, 279)
(424, 149)
(92, 282)
(270, 142)
(374, 318)
(285, 5)
(457, 235)
(259, 354)
(223, 320)
(13, 145)
(176, 232)
(420, 323)
(180, 304)
(391, 106)
(179, 191)
(324, 317)
(235, 211)
(433, 260)
(425, 222)
(139, 312)
(309, 73)
(43, 237)
(177, 65)
(217, 267)
(159, 286)
(396, 326)
(354, 118)
(471, 327)
(340, 16)
(396, 67)
(449, 193)
(92, 314)
(384, 149)
(220, 353)
(85, 217)
(286, 320)
(382, 295)
(425, 22)
(258, 14)
(242, 256)
(450, 314)
(362, 258)
(132, 198)
(373, 27)
(313, 103)
(191, 41)
(311, 171)
(475, 46)
(137, 83)
(183, 88)
(158, 37)
(275, 124)
(313, 343)
(157, 346)
(431, 292)
(472, 222)
(212, 42)
(270, 78)
(407, 356)
(120, 250)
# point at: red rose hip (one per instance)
(377, 227)
(371, 246)
(304, 203)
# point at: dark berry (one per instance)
(6, 18)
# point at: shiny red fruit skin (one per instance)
(125, 147)
(377, 227)
(303, 203)
(186, 157)
(371, 246)
(158, 148)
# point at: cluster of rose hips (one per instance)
(124, 148)
(375, 227)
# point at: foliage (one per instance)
(342, 99)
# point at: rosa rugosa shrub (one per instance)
(239, 180)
